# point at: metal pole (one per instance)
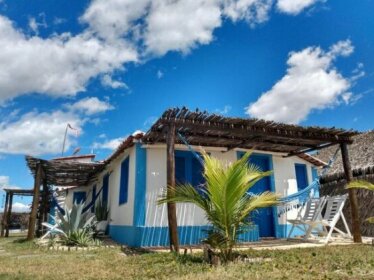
(63, 144)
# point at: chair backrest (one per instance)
(334, 206)
(313, 208)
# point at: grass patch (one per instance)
(27, 261)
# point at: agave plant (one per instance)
(76, 227)
(361, 184)
(101, 211)
(225, 200)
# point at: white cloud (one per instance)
(149, 122)
(312, 82)
(225, 110)
(159, 74)
(34, 24)
(180, 25)
(18, 207)
(112, 19)
(90, 106)
(58, 20)
(252, 11)
(294, 7)
(4, 181)
(116, 32)
(107, 81)
(60, 65)
(110, 144)
(38, 133)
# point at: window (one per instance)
(124, 182)
(301, 176)
(105, 188)
(188, 169)
(93, 199)
(79, 197)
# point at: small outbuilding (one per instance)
(132, 179)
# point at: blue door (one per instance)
(301, 176)
(263, 217)
(79, 197)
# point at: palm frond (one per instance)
(361, 184)
(224, 198)
(184, 193)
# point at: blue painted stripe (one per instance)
(314, 177)
(284, 229)
(140, 185)
(159, 236)
(124, 181)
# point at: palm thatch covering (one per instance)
(362, 160)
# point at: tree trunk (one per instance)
(9, 213)
(35, 202)
(170, 165)
(352, 194)
(4, 219)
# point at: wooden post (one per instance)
(35, 202)
(170, 165)
(352, 194)
(46, 200)
(4, 219)
(42, 210)
(8, 214)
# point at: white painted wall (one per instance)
(122, 214)
(188, 214)
(119, 214)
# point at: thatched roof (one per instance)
(361, 154)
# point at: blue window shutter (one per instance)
(197, 173)
(93, 199)
(124, 182)
(180, 169)
(79, 197)
(105, 188)
(301, 176)
(188, 169)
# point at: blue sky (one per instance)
(110, 67)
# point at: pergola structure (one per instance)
(57, 172)
(203, 129)
(10, 192)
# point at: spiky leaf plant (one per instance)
(225, 199)
(101, 211)
(76, 227)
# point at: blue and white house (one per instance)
(136, 174)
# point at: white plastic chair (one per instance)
(334, 212)
(312, 211)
